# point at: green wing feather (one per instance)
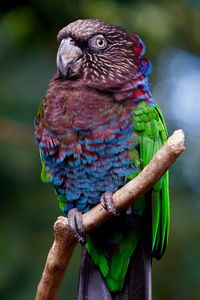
(44, 174)
(150, 131)
(152, 134)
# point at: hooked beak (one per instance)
(69, 58)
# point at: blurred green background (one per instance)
(171, 31)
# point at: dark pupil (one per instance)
(100, 42)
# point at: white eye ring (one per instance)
(98, 42)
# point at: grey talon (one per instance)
(75, 222)
(107, 203)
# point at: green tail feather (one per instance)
(114, 269)
(98, 257)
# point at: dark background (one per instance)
(171, 31)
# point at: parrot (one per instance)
(96, 128)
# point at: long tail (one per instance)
(137, 285)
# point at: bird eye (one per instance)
(98, 42)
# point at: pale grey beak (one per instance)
(69, 58)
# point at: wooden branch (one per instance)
(60, 253)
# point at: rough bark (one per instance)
(60, 253)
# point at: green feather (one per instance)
(165, 208)
(97, 257)
(152, 135)
(62, 201)
(44, 174)
(120, 261)
(114, 269)
(150, 131)
(139, 126)
(156, 216)
(114, 285)
(118, 271)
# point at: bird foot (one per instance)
(75, 222)
(107, 203)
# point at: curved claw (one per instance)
(75, 222)
(107, 203)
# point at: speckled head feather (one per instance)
(84, 29)
(110, 66)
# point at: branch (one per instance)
(60, 253)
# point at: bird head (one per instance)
(103, 55)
